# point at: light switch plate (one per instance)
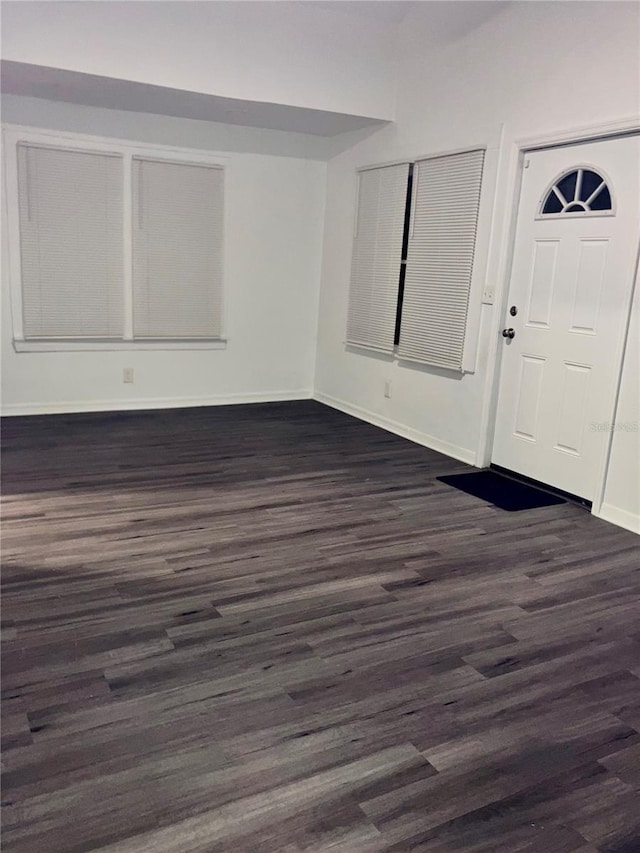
(488, 295)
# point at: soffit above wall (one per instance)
(55, 84)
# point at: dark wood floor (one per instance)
(269, 628)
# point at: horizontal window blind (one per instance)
(177, 249)
(70, 209)
(440, 258)
(377, 252)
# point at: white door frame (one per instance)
(518, 149)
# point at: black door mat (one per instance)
(502, 491)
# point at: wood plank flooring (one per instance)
(270, 628)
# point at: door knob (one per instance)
(508, 333)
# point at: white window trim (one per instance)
(127, 150)
(110, 344)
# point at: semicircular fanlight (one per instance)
(578, 191)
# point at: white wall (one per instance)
(286, 53)
(272, 271)
(622, 491)
(532, 68)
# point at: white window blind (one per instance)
(177, 249)
(70, 209)
(377, 252)
(442, 237)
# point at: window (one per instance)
(413, 258)
(377, 255)
(70, 243)
(579, 191)
(114, 247)
(177, 249)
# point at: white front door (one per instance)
(573, 266)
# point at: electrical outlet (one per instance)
(387, 390)
(488, 295)
(127, 374)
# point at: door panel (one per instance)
(571, 281)
(543, 280)
(529, 392)
(589, 279)
(572, 415)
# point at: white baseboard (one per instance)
(143, 403)
(621, 517)
(423, 438)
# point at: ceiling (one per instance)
(386, 11)
(438, 20)
(431, 22)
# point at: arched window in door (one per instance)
(580, 191)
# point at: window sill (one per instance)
(107, 345)
(394, 355)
